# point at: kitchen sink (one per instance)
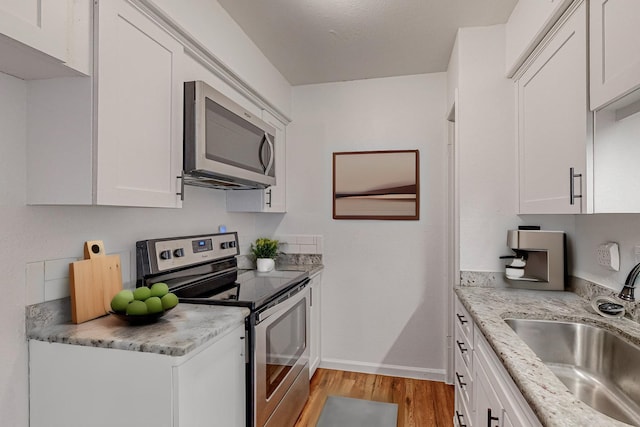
(598, 367)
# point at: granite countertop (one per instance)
(551, 401)
(180, 331)
(309, 268)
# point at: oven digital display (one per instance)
(202, 245)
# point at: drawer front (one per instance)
(461, 414)
(464, 321)
(463, 348)
(463, 380)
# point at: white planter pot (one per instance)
(265, 264)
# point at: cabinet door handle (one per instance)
(572, 190)
(461, 318)
(461, 346)
(460, 418)
(268, 203)
(181, 193)
(490, 418)
(460, 378)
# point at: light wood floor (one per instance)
(420, 403)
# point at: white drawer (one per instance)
(463, 347)
(461, 414)
(463, 380)
(464, 321)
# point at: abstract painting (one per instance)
(376, 185)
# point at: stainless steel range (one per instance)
(204, 270)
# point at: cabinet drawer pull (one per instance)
(460, 418)
(490, 418)
(460, 378)
(461, 318)
(461, 346)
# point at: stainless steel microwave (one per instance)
(225, 146)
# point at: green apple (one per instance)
(159, 289)
(121, 300)
(170, 300)
(141, 293)
(136, 308)
(154, 305)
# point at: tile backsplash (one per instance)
(300, 244)
(49, 280)
(294, 249)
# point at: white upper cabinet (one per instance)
(44, 39)
(274, 198)
(114, 138)
(615, 55)
(527, 26)
(138, 90)
(553, 121)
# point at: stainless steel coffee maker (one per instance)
(539, 260)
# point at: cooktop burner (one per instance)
(251, 289)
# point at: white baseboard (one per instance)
(384, 369)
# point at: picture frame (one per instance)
(379, 185)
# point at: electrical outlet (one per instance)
(608, 256)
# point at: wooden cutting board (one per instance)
(94, 281)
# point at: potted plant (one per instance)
(265, 250)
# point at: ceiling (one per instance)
(318, 41)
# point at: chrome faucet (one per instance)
(630, 284)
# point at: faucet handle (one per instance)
(627, 293)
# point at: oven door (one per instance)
(281, 354)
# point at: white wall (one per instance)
(593, 230)
(487, 152)
(384, 292)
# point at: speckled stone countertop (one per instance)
(551, 401)
(310, 268)
(180, 331)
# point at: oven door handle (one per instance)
(285, 301)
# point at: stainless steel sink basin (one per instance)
(599, 368)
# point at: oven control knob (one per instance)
(224, 245)
(232, 244)
(165, 254)
(178, 253)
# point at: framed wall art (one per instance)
(376, 185)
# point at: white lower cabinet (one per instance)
(485, 395)
(79, 386)
(315, 340)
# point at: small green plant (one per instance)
(265, 248)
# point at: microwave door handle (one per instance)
(260, 154)
(273, 154)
